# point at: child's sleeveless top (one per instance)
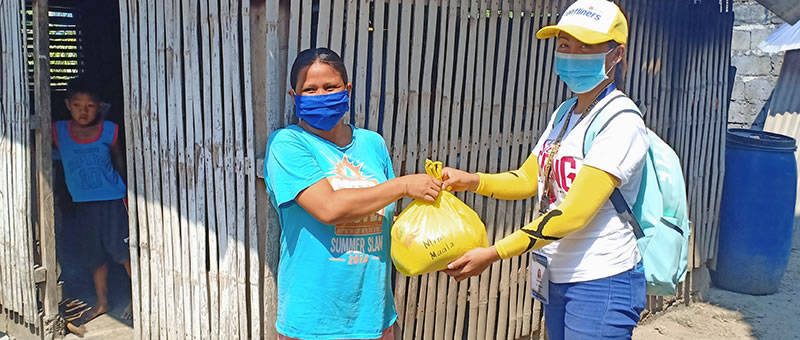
(88, 169)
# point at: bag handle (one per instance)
(434, 169)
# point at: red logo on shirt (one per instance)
(563, 172)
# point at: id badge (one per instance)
(540, 277)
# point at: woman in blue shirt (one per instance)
(334, 189)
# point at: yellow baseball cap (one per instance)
(591, 22)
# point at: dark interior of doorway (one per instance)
(85, 41)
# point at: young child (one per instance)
(92, 158)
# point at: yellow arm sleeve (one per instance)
(512, 185)
(591, 189)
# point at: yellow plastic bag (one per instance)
(426, 237)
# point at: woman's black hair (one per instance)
(85, 85)
(322, 55)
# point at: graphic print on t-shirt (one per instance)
(347, 175)
(563, 172)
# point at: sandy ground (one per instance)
(725, 316)
(732, 316)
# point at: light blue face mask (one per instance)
(582, 72)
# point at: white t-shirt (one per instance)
(607, 245)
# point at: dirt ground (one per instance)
(731, 316)
(724, 316)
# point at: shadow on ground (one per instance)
(731, 316)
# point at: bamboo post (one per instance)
(457, 308)
(377, 65)
(294, 43)
(228, 243)
(448, 288)
(217, 233)
(138, 104)
(519, 152)
(337, 25)
(14, 233)
(239, 291)
(24, 208)
(388, 119)
(415, 125)
(438, 108)
(253, 265)
(348, 45)
(41, 77)
(273, 90)
(324, 23)
(479, 295)
(510, 162)
(5, 155)
(126, 26)
(209, 323)
(495, 159)
(400, 125)
(167, 163)
(191, 242)
(359, 72)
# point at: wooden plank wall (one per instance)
(467, 82)
(18, 296)
(191, 169)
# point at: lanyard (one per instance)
(544, 199)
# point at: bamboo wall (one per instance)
(18, 297)
(462, 81)
(466, 82)
(191, 181)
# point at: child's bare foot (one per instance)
(93, 313)
(127, 314)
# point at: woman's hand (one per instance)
(458, 180)
(421, 186)
(473, 263)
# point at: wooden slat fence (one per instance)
(18, 296)
(462, 81)
(191, 170)
(467, 82)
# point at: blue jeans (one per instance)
(607, 308)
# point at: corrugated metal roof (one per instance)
(785, 38)
(786, 97)
(784, 116)
(788, 10)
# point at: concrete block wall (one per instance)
(757, 72)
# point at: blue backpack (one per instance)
(660, 216)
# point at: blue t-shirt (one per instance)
(334, 282)
(88, 170)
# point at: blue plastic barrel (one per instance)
(757, 212)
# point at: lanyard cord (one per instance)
(544, 199)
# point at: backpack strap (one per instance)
(605, 118)
(563, 109)
(624, 211)
(617, 199)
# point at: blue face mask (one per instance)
(582, 72)
(322, 112)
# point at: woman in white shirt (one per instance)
(586, 266)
